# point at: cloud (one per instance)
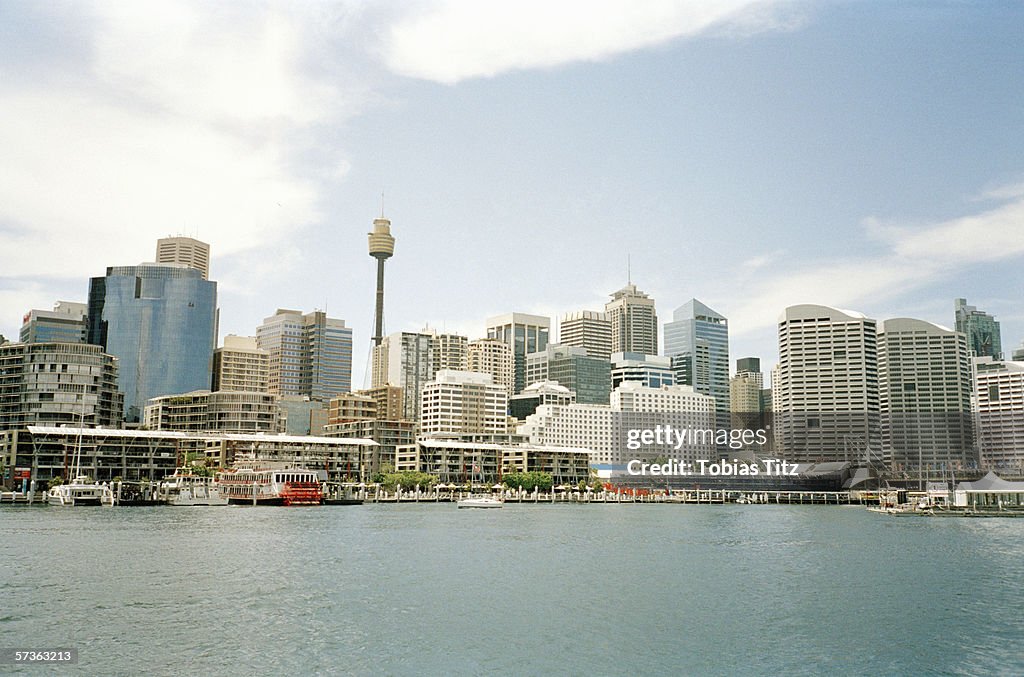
(177, 118)
(914, 256)
(454, 40)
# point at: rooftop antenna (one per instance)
(629, 271)
(382, 204)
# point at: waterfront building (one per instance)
(634, 321)
(64, 324)
(999, 397)
(698, 341)
(571, 366)
(924, 384)
(223, 410)
(462, 402)
(826, 394)
(406, 360)
(338, 459)
(310, 354)
(241, 366)
(589, 330)
(524, 334)
(605, 429)
(494, 357)
(543, 392)
(159, 321)
(982, 330)
(652, 371)
(58, 383)
(388, 434)
(185, 251)
(460, 463)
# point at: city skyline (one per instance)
(753, 155)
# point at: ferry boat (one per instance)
(256, 482)
(80, 491)
(184, 488)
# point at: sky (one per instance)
(754, 155)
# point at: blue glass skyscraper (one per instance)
(698, 341)
(160, 321)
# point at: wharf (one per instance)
(22, 498)
(684, 496)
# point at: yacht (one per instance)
(80, 491)
(480, 501)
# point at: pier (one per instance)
(680, 496)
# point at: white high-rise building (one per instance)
(463, 402)
(411, 359)
(999, 394)
(634, 322)
(827, 393)
(924, 384)
(589, 330)
(184, 250)
(449, 350)
(494, 357)
(604, 429)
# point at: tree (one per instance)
(407, 480)
(55, 482)
(528, 480)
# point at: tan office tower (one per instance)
(634, 321)
(491, 356)
(240, 366)
(589, 330)
(828, 386)
(185, 250)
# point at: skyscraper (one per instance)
(159, 321)
(524, 334)
(240, 366)
(999, 392)
(924, 384)
(634, 322)
(570, 366)
(460, 402)
(310, 354)
(405, 359)
(827, 389)
(494, 357)
(589, 330)
(981, 329)
(746, 395)
(186, 251)
(698, 341)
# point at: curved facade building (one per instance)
(160, 321)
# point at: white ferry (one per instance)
(184, 488)
(255, 482)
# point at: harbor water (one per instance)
(426, 589)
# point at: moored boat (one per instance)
(480, 501)
(184, 488)
(78, 492)
(255, 482)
